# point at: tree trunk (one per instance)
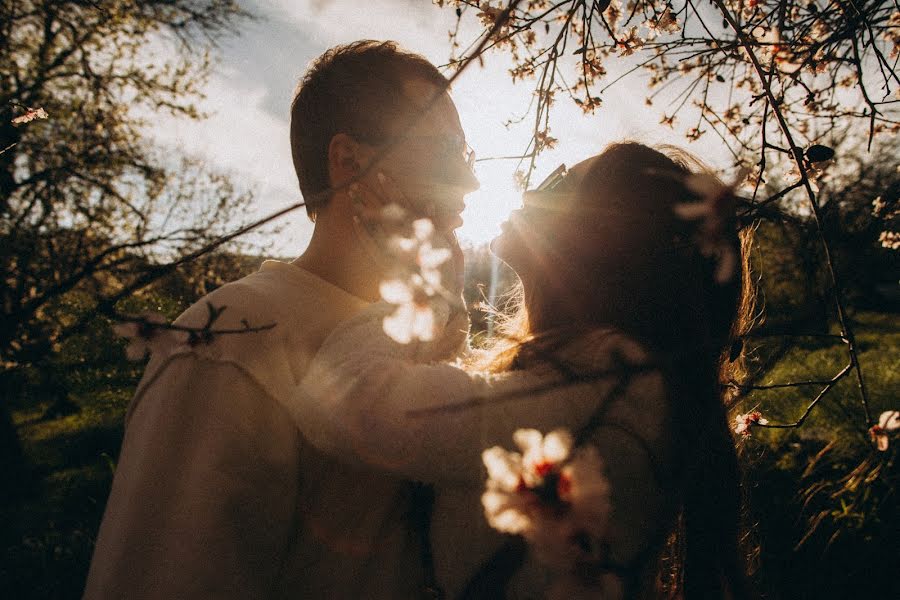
(15, 474)
(14, 471)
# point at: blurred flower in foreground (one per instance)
(742, 423)
(554, 496)
(426, 258)
(888, 423)
(147, 335)
(414, 318)
(30, 115)
(414, 291)
(715, 211)
(889, 240)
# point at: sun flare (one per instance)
(489, 206)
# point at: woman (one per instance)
(629, 303)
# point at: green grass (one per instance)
(823, 484)
(49, 534)
(841, 410)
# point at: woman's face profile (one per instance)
(531, 238)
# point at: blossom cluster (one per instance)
(889, 240)
(806, 49)
(30, 115)
(888, 424)
(714, 213)
(416, 284)
(554, 495)
(889, 213)
(743, 423)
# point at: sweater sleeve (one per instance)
(371, 399)
(203, 499)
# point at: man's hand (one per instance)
(383, 214)
(419, 253)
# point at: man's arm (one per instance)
(203, 499)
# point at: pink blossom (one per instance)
(715, 212)
(888, 423)
(30, 115)
(742, 423)
(555, 496)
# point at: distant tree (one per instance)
(88, 202)
(861, 215)
(859, 205)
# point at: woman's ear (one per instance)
(345, 160)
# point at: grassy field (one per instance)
(822, 501)
(49, 532)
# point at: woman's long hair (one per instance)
(649, 279)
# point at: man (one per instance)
(217, 494)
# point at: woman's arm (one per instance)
(370, 399)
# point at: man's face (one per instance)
(428, 160)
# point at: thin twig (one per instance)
(846, 329)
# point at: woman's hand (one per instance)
(382, 215)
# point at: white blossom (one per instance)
(410, 322)
(889, 240)
(393, 212)
(715, 211)
(145, 337)
(30, 115)
(413, 318)
(888, 423)
(555, 496)
(540, 454)
(889, 420)
(414, 290)
(742, 423)
(878, 206)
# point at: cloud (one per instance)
(250, 92)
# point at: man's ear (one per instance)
(345, 160)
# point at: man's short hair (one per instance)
(354, 89)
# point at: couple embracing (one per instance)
(341, 452)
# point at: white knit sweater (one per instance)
(217, 494)
(362, 390)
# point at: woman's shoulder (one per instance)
(598, 349)
(638, 395)
(602, 361)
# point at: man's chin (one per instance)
(447, 222)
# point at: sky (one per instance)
(249, 94)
